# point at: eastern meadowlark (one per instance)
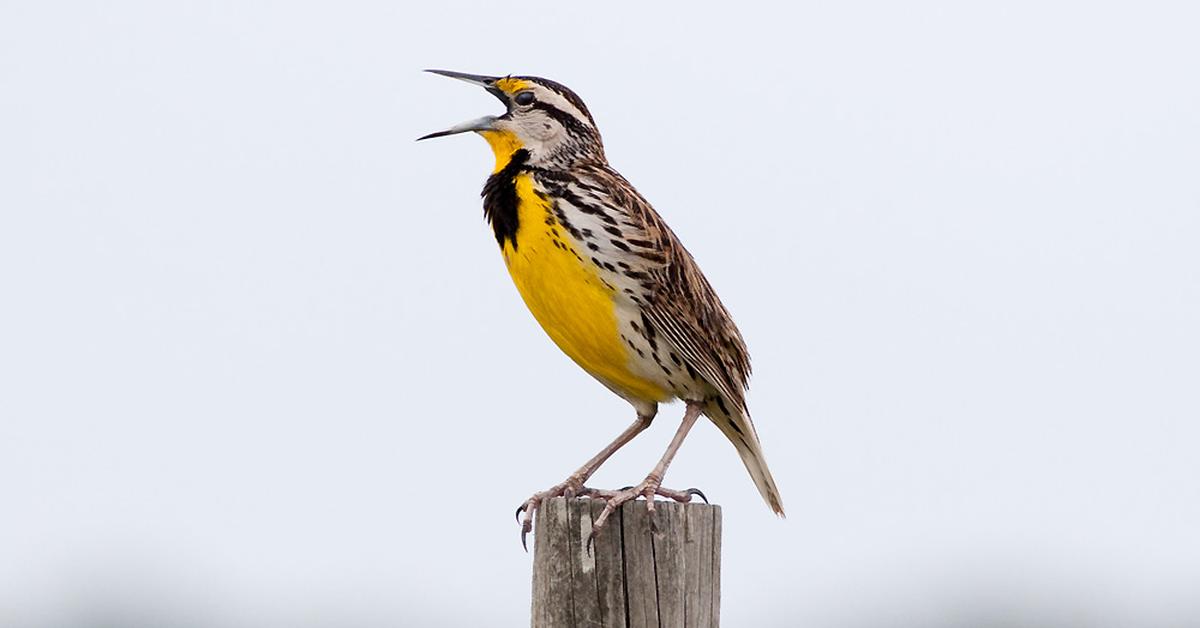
(609, 283)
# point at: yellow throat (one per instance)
(562, 288)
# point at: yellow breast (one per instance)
(568, 298)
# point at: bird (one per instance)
(610, 284)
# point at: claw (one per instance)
(647, 490)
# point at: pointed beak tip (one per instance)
(428, 136)
(436, 134)
(474, 79)
(478, 124)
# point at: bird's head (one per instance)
(543, 117)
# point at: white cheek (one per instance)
(545, 132)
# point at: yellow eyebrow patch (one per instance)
(511, 85)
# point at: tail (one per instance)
(737, 427)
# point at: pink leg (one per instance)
(573, 485)
(652, 485)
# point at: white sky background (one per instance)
(261, 365)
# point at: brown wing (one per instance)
(682, 304)
(675, 298)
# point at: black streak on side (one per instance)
(500, 199)
(648, 332)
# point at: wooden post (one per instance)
(632, 578)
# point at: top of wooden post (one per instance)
(633, 577)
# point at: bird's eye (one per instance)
(524, 98)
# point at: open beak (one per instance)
(478, 124)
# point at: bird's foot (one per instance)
(570, 488)
(648, 489)
(573, 487)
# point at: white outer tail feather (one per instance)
(750, 449)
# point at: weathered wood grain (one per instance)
(641, 591)
(610, 569)
(698, 550)
(670, 565)
(716, 569)
(585, 598)
(552, 567)
(632, 577)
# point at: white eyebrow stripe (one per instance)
(558, 101)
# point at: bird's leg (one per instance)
(573, 485)
(652, 485)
